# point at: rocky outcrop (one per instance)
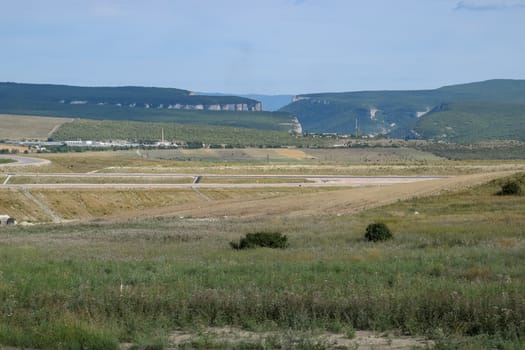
(294, 127)
(234, 107)
(297, 128)
(419, 114)
(373, 112)
(299, 98)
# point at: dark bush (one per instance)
(261, 239)
(510, 188)
(378, 232)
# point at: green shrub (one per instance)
(378, 232)
(510, 188)
(261, 239)
(60, 334)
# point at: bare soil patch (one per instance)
(360, 341)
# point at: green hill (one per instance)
(16, 94)
(470, 122)
(376, 111)
(497, 90)
(138, 104)
(466, 109)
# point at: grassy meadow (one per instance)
(454, 273)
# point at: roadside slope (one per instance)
(342, 202)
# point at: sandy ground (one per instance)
(361, 341)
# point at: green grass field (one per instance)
(454, 272)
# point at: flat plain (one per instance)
(153, 268)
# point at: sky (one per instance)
(262, 46)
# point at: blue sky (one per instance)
(262, 46)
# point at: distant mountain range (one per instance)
(488, 110)
(466, 113)
(14, 95)
(139, 104)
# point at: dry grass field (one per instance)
(11, 148)
(372, 155)
(301, 202)
(18, 205)
(19, 127)
(254, 161)
(153, 268)
(45, 204)
(98, 179)
(111, 204)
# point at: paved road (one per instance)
(310, 181)
(23, 161)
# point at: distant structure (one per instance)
(6, 220)
(163, 143)
(356, 129)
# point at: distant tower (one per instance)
(162, 135)
(356, 129)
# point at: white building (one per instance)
(7, 220)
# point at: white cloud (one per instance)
(489, 4)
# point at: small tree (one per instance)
(378, 232)
(510, 188)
